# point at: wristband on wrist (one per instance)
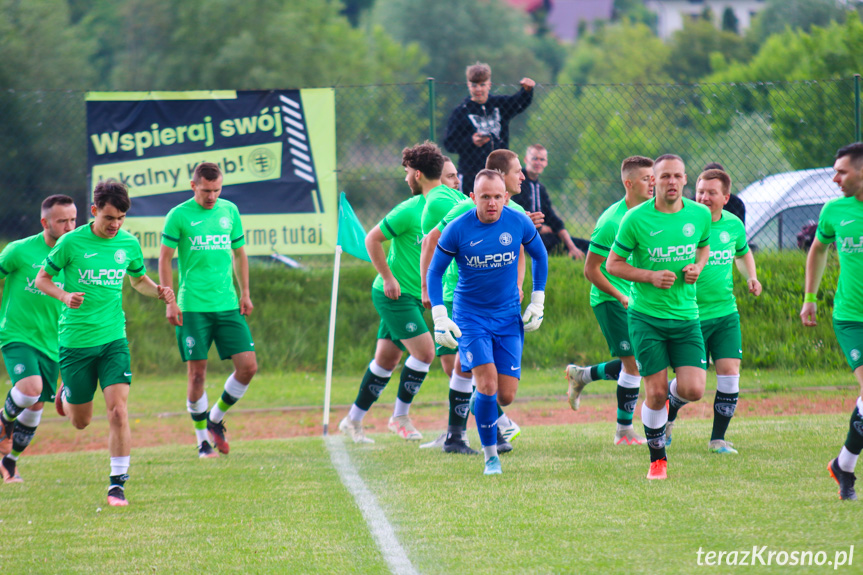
(809, 298)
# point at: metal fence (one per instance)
(775, 139)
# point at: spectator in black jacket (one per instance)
(735, 204)
(534, 198)
(480, 124)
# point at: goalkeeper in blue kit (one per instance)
(486, 311)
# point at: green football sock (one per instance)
(370, 389)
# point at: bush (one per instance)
(291, 319)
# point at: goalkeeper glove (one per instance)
(532, 317)
(445, 329)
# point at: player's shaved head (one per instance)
(854, 152)
(501, 160)
(55, 200)
(488, 175)
(632, 164)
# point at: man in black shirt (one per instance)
(534, 198)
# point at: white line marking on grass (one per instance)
(381, 529)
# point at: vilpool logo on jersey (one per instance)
(225, 223)
(101, 277)
(724, 237)
(211, 242)
(120, 256)
(850, 246)
(721, 257)
(491, 260)
(688, 230)
(31, 287)
(505, 239)
(672, 253)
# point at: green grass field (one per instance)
(568, 502)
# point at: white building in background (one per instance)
(672, 13)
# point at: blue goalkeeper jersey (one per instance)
(487, 259)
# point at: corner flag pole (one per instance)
(331, 340)
(350, 239)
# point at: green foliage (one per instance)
(635, 11)
(291, 315)
(456, 33)
(620, 53)
(811, 123)
(41, 143)
(730, 23)
(262, 44)
(780, 15)
(694, 46)
(40, 48)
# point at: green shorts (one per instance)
(850, 337)
(24, 360)
(439, 349)
(400, 319)
(201, 328)
(83, 367)
(613, 322)
(660, 342)
(722, 338)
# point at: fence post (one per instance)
(431, 109)
(856, 107)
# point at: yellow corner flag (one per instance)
(352, 236)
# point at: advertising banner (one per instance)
(276, 150)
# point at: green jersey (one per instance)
(450, 278)
(205, 239)
(660, 241)
(601, 242)
(439, 201)
(95, 266)
(27, 315)
(715, 287)
(841, 221)
(402, 226)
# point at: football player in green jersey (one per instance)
(841, 222)
(28, 333)
(668, 239)
(207, 233)
(396, 296)
(449, 175)
(609, 298)
(717, 307)
(93, 347)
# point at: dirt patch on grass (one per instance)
(56, 435)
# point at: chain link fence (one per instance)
(775, 139)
